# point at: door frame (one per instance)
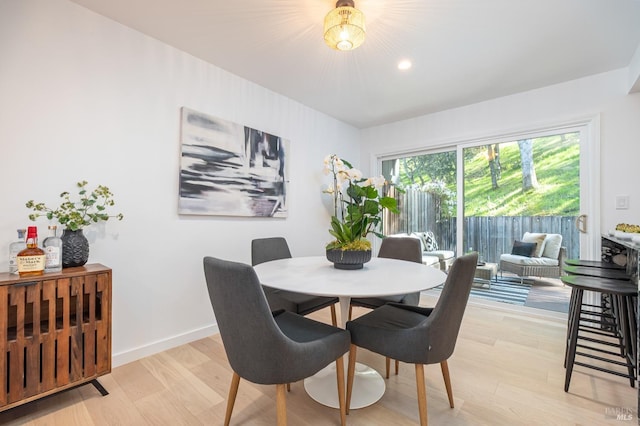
(589, 128)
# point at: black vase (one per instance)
(75, 248)
(348, 259)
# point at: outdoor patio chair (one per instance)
(545, 257)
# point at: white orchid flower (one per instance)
(328, 164)
(377, 182)
(342, 176)
(354, 174)
(329, 190)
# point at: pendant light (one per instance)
(344, 26)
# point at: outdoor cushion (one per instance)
(538, 239)
(521, 248)
(528, 261)
(552, 245)
(421, 237)
(428, 240)
(430, 260)
(440, 254)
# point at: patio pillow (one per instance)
(428, 239)
(552, 246)
(538, 239)
(430, 242)
(522, 248)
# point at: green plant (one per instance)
(91, 207)
(357, 205)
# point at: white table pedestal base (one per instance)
(368, 386)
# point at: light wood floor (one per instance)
(506, 370)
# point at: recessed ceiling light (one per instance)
(405, 64)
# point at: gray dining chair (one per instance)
(274, 248)
(401, 248)
(268, 347)
(414, 334)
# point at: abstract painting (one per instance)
(229, 169)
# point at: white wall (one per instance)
(604, 95)
(83, 97)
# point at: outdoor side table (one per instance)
(487, 272)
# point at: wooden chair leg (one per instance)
(388, 366)
(341, 398)
(288, 387)
(281, 405)
(422, 394)
(447, 381)
(334, 318)
(233, 392)
(350, 372)
(350, 312)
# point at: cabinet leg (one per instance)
(100, 388)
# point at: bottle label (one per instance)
(31, 263)
(52, 257)
(13, 263)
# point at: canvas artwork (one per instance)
(231, 170)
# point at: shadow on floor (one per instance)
(549, 294)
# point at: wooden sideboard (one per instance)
(55, 332)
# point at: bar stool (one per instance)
(614, 274)
(594, 264)
(608, 333)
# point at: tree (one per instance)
(493, 154)
(529, 179)
(414, 168)
(422, 169)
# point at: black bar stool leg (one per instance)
(573, 305)
(632, 319)
(573, 339)
(626, 331)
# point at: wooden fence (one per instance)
(491, 236)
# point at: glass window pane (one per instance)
(428, 203)
(528, 185)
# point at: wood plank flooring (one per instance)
(507, 369)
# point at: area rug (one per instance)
(547, 294)
(503, 290)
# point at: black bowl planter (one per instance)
(75, 248)
(348, 259)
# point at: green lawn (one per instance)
(556, 162)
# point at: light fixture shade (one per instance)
(344, 27)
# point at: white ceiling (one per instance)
(463, 51)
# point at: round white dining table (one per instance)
(379, 277)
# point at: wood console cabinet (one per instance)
(55, 332)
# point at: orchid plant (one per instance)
(357, 205)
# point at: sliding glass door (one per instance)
(483, 195)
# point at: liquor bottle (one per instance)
(15, 248)
(31, 260)
(52, 246)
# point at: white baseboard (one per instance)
(162, 345)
